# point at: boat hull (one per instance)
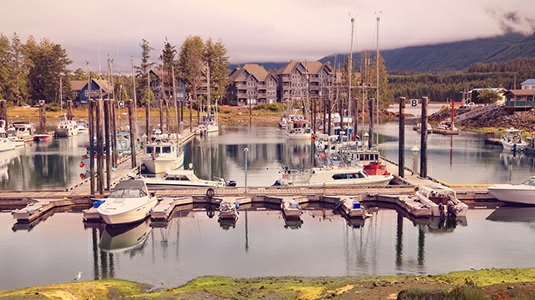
(513, 193)
(114, 216)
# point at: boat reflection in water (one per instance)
(520, 214)
(119, 238)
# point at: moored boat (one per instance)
(333, 176)
(290, 208)
(129, 202)
(446, 128)
(6, 143)
(512, 140)
(182, 178)
(442, 200)
(522, 193)
(228, 209)
(162, 155)
(351, 207)
(66, 127)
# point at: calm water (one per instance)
(261, 243)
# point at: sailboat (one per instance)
(209, 122)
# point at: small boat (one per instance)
(182, 178)
(6, 143)
(129, 202)
(442, 200)
(228, 209)
(418, 127)
(351, 207)
(290, 208)
(162, 156)
(512, 140)
(446, 128)
(332, 176)
(522, 193)
(83, 126)
(42, 137)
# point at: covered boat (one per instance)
(183, 178)
(442, 200)
(333, 176)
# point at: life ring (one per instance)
(210, 193)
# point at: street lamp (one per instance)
(246, 150)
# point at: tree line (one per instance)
(31, 71)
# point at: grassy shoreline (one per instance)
(481, 284)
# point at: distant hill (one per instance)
(455, 56)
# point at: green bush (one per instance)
(53, 107)
(274, 107)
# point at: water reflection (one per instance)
(520, 214)
(125, 237)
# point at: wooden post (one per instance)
(329, 109)
(113, 131)
(401, 152)
(133, 145)
(423, 140)
(160, 108)
(100, 146)
(70, 110)
(91, 120)
(3, 111)
(42, 116)
(107, 141)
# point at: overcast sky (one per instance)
(256, 31)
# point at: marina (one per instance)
(259, 203)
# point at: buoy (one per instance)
(82, 164)
(82, 176)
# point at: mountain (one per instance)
(454, 56)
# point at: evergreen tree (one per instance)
(215, 57)
(191, 64)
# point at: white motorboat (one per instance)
(442, 200)
(66, 127)
(290, 208)
(446, 128)
(183, 178)
(124, 238)
(522, 193)
(162, 155)
(6, 143)
(332, 176)
(418, 127)
(129, 202)
(512, 140)
(22, 130)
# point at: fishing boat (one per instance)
(129, 202)
(66, 128)
(298, 128)
(6, 143)
(522, 193)
(182, 178)
(442, 200)
(332, 176)
(42, 137)
(161, 156)
(512, 140)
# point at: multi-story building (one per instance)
(251, 85)
(301, 81)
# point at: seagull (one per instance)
(77, 278)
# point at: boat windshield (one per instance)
(530, 181)
(127, 193)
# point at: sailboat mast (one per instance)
(350, 67)
(377, 80)
(208, 98)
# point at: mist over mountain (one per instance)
(454, 56)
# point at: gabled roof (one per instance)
(255, 70)
(529, 81)
(497, 90)
(521, 92)
(311, 67)
(78, 85)
(104, 84)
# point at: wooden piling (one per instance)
(401, 151)
(42, 116)
(133, 141)
(107, 140)
(423, 140)
(70, 110)
(371, 103)
(3, 111)
(91, 154)
(100, 145)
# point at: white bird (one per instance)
(77, 278)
